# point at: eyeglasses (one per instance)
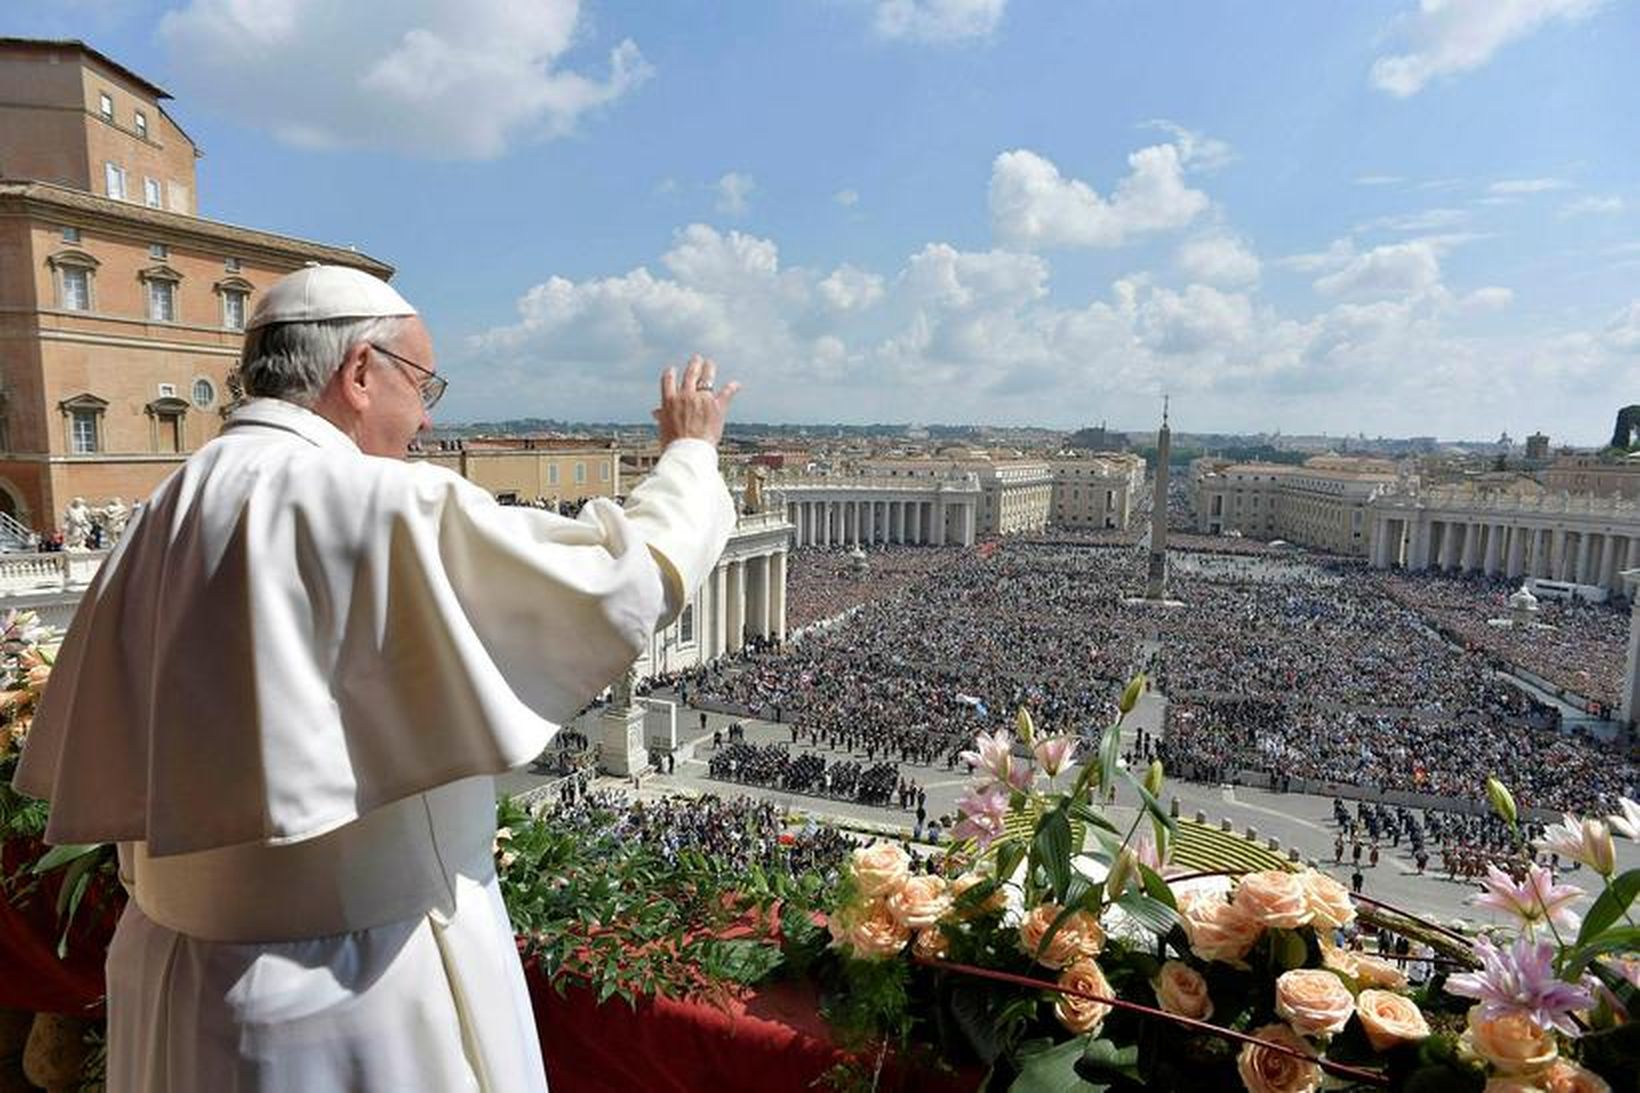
(431, 388)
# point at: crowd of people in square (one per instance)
(1312, 671)
(822, 584)
(1572, 644)
(736, 832)
(777, 767)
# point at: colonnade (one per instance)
(869, 521)
(745, 597)
(1592, 555)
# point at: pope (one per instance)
(287, 692)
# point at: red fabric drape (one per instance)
(31, 976)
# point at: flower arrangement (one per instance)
(1060, 952)
(1553, 1009)
(28, 649)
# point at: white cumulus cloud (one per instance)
(1448, 37)
(846, 198)
(1219, 259)
(734, 191)
(445, 79)
(1400, 269)
(1033, 205)
(937, 20)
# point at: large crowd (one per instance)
(823, 584)
(737, 833)
(775, 766)
(1576, 646)
(1270, 665)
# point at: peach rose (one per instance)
(931, 944)
(1083, 1015)
(1274, 898)
(991, 904)
(880, 869)
(1218, 930)
(1389, 1019)
(1181, 989)
(875, 934)
(1513, 1044)
(920, 902)
(1340, 960)
(1568, 1077)
(1266, 1071)
(1505, 1083)
(1329, 902)
(1078, 936)
(1314, 1001)
(1373, 971)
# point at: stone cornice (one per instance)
(63, 204)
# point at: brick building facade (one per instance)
(121, 311)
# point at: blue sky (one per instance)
(1383, 217)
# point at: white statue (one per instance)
(76, 525)
(114, 516)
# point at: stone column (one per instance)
(1418, 550)
(1494, 535)
(1603, 575)
(777, 598)
(969, 518)
(1516, 565)
(737, 606)
(939, 522)
(719, 582)
(1585, 556)
(1629, 707)
(1633, 559)
(899, 522)
(1556, 569)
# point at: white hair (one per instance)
(294, 361)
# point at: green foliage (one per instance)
(1613, 902)
(622, 919)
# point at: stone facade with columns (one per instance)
(1559, 537)
(863, 510)
(744, 597)
(1016, 494)
(1320, 504)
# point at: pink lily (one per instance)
(1533, 901)
(1055, 753)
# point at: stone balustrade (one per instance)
(53, 572)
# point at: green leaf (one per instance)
(1052, 851)
(1110, 753)
(1154, 916)
(59, 856)
(1612, 903)
(1054, 1071)
(1103, 1058)
(1081, 810)
(1157, 888)
(1288, 948)
(1152, 805)
(1614, 940)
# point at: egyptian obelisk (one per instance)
(1156, 583)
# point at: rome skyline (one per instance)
(868, 215)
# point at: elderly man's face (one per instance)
(394, 413)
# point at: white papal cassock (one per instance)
(285, 696)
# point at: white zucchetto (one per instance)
(319, 293)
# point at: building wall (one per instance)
(549, 474)
(1589, 474)
(55, 130)
(1097, 493)
(1322, 504)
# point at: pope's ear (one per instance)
(354, 377)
